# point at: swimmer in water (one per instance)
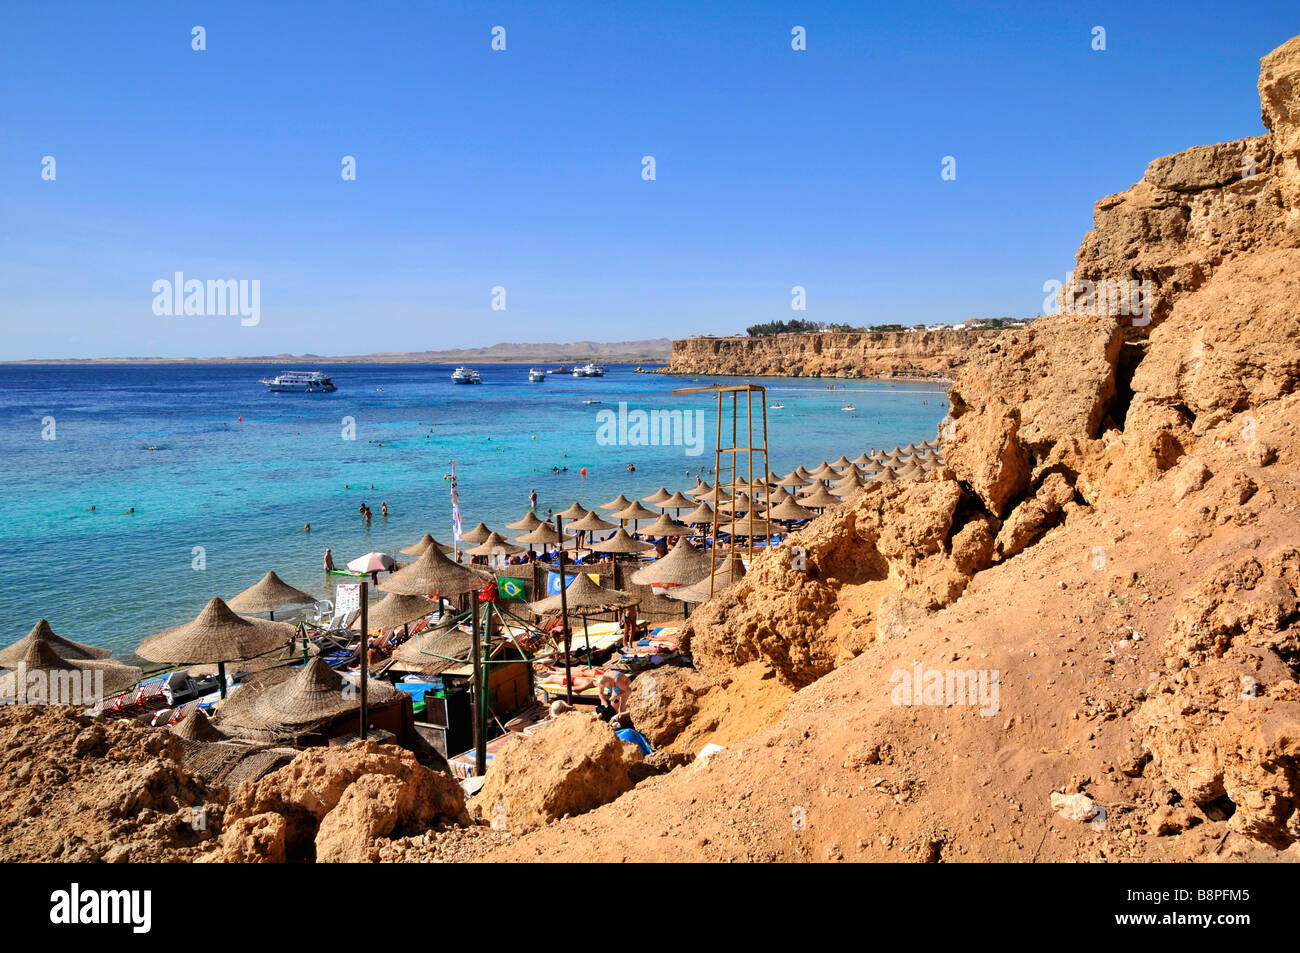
(306, 527)
(383, 509)
(131, 510)
(329, 561)
(631, 468)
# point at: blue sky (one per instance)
(522, 168)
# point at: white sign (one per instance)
(347, 598)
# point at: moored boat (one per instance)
(466, 375)
(299, 382)
(536, 375)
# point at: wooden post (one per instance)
(221, 678)
(476, 696)
(365, 658)
(564, 613)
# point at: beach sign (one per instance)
(347, 598)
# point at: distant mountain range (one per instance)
(652, 351)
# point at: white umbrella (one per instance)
(372, 562)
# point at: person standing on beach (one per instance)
(329, 561)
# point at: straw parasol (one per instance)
(729, 571)
(544, 535)
(802, 473)
(676, 502)
(619, 502)
(683, 565)
(315, 694)
(751, 524)
(842, 462)
(583, 594)
(396, 609)
(701, 514)
(666, 526)
(636, 512)
(575, 512)
(792, 479)
(884, 476)
(433, 572)
(789, 511)
(217, 634)
(477, 535)
(591, 523)
(621, 544)
(861, 460)
(529, 523)
(657, 496)
(495, 545)
(425, 541)
(269, 594)
(64, 648)
(819, 499)
(65, 675)
(196, 726)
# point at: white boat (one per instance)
(848, 407)
(589, 370)
(466, 375)
(300, 382)
(536, 375)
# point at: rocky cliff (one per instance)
(831, 354)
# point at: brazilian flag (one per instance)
(510, 588)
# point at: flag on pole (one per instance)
(455, 509)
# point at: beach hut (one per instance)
(42, 677)
(15, 652)
(268, 594)
(217, 634)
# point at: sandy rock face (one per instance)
(787, 611)
(1279, 97)
(1224, 723)
(330, 804)
(569, 767)
(663, 702)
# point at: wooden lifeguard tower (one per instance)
(742, 460)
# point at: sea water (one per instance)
(223, 475)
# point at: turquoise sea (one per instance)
(209, 458)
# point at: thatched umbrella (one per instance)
(849, 482)
(861, 460)
(635, 512)
(676, 502)
(217, 634)
(665, 525)
(801, 472)
(749, 525)
(425, 541)
(592, 523)
(197, 726)
(792, 479)
(886, 475)
(621, 544)
(683, 565)
(738, 505)
(701, 514)
(819, 499)
(396, 609)
(477, 535)
(544, 535)
(619, 502)
(575, 512)
(100, 677)
(527, 524)
(433, 572)
(789, 511)
(585, 597)
(842, 462)
(657, 496)
(269, 594)
(15, 652)
(729, 571)
(495, 545)
(313, 695)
